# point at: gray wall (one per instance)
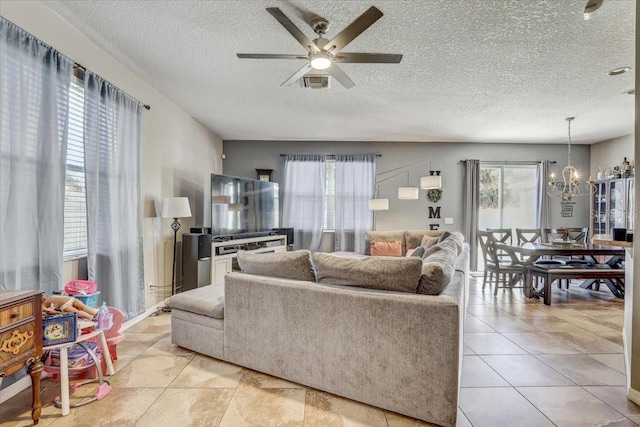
(243, 157)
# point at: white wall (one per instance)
(178, 153)
(611, 153)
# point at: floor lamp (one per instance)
(175, 207)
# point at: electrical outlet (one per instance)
(448, 221)
(149, 287)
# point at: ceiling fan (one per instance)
(324, 55)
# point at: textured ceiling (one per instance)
(473, 70)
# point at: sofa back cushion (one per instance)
(288, 265)
(386, 273)
(438, 267)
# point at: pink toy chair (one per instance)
(113, 335)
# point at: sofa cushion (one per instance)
(382, 236)
(207, 301)
(386, 273)
(438, 268)
(386, 248)
(294, 265)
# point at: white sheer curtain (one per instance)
(303, 199)
(34, 97)
(112, 167)
(355, 185)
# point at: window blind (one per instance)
(75, 200)
(329, 220)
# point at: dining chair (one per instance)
(579, 235)
(548, 235)
(502, 235)
(528, 235)
(504, 274)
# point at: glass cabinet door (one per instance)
(617, 214)
(599, 209)
(631, 206)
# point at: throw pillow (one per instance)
(419, 251)
(386, 248)
(443, 236)
(428, 241)
(386, 273)
(412, 238)
(384, 236)
(288, 265)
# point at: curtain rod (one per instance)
(514, 162)
(75, 64)
(327, 155)
(83, 68)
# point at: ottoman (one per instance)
(197, 320)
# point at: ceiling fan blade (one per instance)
(383, 58)
(291, 27)
(301, 72)
(342, 78)
(269, 56)
(353, 30)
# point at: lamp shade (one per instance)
(176, 207)
(408, 193)
(431, 182)
(379, 204)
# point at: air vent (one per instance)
(316, 82)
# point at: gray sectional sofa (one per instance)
(397, 350)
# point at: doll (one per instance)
(56, 303)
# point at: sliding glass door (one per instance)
(508, 197)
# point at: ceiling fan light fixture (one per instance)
(320, 61)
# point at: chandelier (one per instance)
(569, 185)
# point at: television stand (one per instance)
(223, 254)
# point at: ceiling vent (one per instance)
(311, 81)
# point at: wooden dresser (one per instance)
(21, 339)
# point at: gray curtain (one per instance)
(303, 199)
(470, 208)
(112, 164)
(355, 185)
(34, 98)
(542, 199)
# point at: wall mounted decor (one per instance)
(434, 195)
(265, 174)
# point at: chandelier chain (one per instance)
(569, 146)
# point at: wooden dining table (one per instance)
(531, 252)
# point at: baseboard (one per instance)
(633, 395)
(153, 310)
(25, 382)
(15, 388)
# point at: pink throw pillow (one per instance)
(386, 248)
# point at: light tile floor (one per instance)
(525, 364)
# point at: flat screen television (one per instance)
(243, 206)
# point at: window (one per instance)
(329, 217)
(75, 200)
(508, 195)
